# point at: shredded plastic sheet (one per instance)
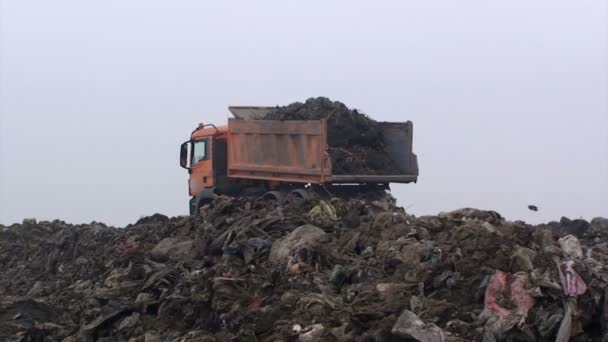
(565, 328)
(572, 283)
(571, 247)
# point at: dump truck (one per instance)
(280, 157)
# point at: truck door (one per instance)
(202, 165)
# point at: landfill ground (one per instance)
(360, 269)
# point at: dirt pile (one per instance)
(305, 270)
(356, 143)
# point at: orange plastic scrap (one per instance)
(572, 283)
(520, 296)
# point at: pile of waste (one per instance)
(331, 269)
(356, 143)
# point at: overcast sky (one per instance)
(509, 99)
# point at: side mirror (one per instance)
(183, 155)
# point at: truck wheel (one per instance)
(304, 194)
(301, 195)
(204, 197)
(273, 196)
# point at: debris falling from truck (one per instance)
(356, 143)
(326, 269)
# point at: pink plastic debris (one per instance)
(521, 296)
(496, 285)
(572, 283)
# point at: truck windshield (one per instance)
(200, 151)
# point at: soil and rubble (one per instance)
(356, 142)
(331, 269)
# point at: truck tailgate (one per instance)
(292, 151)
(398, 140)
(374, 178)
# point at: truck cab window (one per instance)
(200, 151)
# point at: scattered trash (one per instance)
(565, 329)
(599, 225)
(572, 283)
(317, 269)
(409, 325)
(323, 214)
(312, 333)
(298, 245)
(172, 248)
(513, 291)
(577, 227)
(571, 247)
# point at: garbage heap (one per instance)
(360, 269)
(356, 142)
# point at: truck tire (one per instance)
(204, 197)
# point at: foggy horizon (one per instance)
(509, 101)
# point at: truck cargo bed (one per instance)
(297, 151)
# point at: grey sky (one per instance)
(509, 99)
